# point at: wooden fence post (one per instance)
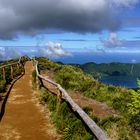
(59, 99)
(18, 66)
(3, 69)
(37, 83)
(11, 72)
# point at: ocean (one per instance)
(122, 81)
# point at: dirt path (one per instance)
(23, 119)
(99, 109)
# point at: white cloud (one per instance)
(112, 41)
(9, 53)
(133, 60)
(53, 50)
(125, 3)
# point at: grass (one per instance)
(2, 86)
(34, 79)
(65, 120)
(122, 126)
(8, 78)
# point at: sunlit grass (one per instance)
(73, 78)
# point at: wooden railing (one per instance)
(95, 129)
(14, 63)
(19, 63)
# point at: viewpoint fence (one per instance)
(3, 67)
(62, 94)
(18, 65)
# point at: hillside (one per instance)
(111, 69)
(124, 101)
(116, 110)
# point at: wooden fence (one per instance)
(18, 65)
(95, 129)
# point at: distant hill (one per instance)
(111, 69)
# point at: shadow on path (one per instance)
(4, 101)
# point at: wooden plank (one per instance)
(96, 130)
(15, 63)
(12, 72)
(3, 69)
(9, 65)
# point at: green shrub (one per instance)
(43, 97)
(134, 110)
(2, 86)
(34, 76)
(34, 79)
(64, 119)
(120, 99)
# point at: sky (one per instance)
(71, 31)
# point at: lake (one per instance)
(123, 81)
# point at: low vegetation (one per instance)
(8, 78)
(68, 124)
(126, 125)
(34, 79)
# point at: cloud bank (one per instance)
(9, 53)
(112, 41)
(53, 50)
(36, 16)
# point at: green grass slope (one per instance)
(126, 125)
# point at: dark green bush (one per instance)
(2, 86)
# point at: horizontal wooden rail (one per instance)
(96, 130)
(3, 66)
(18, 64)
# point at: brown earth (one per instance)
(99, 109)
(23, 118)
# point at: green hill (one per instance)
(126, 102)
(111, 69)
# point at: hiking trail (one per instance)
(23, 118)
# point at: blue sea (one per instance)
(122, 81)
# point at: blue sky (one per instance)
(115, 31)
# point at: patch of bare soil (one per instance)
(50, 75)
(23, 118)
(99, 109)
